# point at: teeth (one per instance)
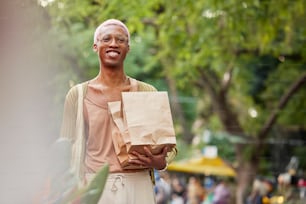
(113, 54)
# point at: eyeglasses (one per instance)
(119, 39)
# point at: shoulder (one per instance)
(142, 86)
(73, 91)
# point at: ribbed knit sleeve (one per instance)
(73, 128)
(142, 86)
(69, 115)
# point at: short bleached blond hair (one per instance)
(111, 22)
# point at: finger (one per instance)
(137, 162)
(141, 157)
(135, 153)
(148, 152)
(145, 159)
(165, 150)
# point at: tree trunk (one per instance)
(246, 170)
(247, 167)
(246, 173)
(178, 111)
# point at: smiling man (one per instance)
(86, 122)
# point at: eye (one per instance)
(106, 39)
(120, 39)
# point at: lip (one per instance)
(112, 50)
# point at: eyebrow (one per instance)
(115, 35)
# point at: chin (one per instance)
(112, 65)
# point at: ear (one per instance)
(95, 47)
(128, 48)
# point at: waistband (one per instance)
(119, 178)
(121, 174)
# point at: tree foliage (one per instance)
(242, 61)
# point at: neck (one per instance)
(111, 78)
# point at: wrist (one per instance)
(165, 168)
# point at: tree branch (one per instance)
(282, 103)
(227, 78)
(220, 105)
(149, 21)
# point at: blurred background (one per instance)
(235, 72)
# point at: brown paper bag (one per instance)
(143, 119)
(148, 121)
(118, 141)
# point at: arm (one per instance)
(73, 127)
(68, 126)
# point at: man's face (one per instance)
(112, 45)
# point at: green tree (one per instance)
(243, 60)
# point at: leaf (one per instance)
(92, 192)
(95, 188)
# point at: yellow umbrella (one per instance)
(208, 166)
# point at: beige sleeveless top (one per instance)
(99, 146)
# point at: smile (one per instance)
(112, 53)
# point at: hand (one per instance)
(149, 160)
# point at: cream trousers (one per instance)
(127, 188)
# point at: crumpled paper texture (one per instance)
(141, 119)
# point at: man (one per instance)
(162, 187)
(222, 193)
(90, 129)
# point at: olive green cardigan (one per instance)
(73, 125)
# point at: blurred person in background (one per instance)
(162, 187)
(256, 192)
(209, 185)
(195, 191)
(178, 193)
(261, 193)
(222, 193)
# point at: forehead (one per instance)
(112, 29)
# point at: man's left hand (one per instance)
(149, 160)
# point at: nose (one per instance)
(113, 42)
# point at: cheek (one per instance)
(127, 50)
(100, 51)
